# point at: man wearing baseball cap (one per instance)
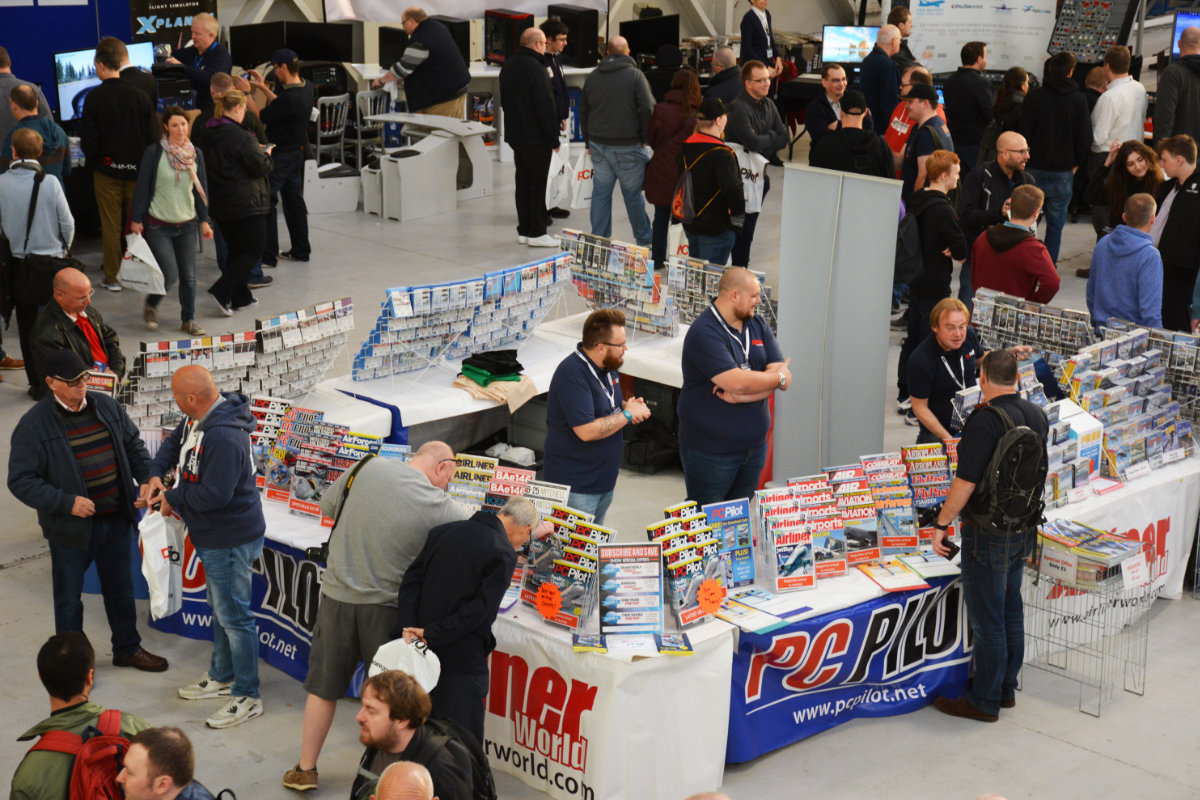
(850, 148)
(78, 458)
(928, 133)
(717, 196)
(286, 115)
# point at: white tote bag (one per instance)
(162, 561)
(581, 181)
(751, 166)
(414, 658)
(139, 268)
(558, 181)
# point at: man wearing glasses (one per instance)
(382, 514)
(70, 322)
(78, 459)
(824, 114)
(585, 414)
(986, 191)
(754, 123)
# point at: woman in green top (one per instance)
(170, 202)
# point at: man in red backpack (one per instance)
(66, 665)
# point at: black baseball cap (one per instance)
(284, 56)
(65, 365)
(853, 102)
(922, 91)
(710, 109)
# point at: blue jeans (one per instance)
(713, 478)
(627, 164)
(287, 183)
(713, 249)
(227, 573)
(109, 547)
(1057, 187)
(991, 576)
(594, 504)
(174, 247)
(222, 248)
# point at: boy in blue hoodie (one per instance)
(1127, 271)
(215, 495)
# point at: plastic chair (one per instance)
(331, 125)
(364, 134)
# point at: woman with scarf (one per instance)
(170, 202)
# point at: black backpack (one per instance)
(1008, 498)
(442, 733)
(683, 199)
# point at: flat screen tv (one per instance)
(251, 45)
(645, 36)
(847, 44)
(75, 75)
(1183, 19)
(321, 41)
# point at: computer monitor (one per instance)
(1183, 19)
(75, 75)
(847, 44)
(392, 42)
(321, 41)
(251, 45)
(645, 36)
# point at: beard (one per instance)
(613, 361)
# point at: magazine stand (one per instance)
(695, 283)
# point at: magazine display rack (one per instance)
(694, 283)
(612, 274)
(1180, 357)
(285, 356)
(1004, 321)
(1096, 636)
(418, 326)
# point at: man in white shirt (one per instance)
(1120, 113)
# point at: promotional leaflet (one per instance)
(630, 582)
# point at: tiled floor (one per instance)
(1141, 747)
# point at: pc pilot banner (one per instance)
(888, 656)
(167, 21)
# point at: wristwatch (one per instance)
(945, 527)
(782, 381)
(628, 416)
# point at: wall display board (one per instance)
(1089, 27)
(383, 11)
(167, 21)
(1016, 33)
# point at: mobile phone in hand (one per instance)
(952, 547)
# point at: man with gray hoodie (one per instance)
(614, 114)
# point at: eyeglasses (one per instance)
(73, 383)
(622, 345)
(759, 80)
(1024, 152)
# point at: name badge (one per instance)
(744, 365)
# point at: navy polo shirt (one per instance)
(706, 422)
(579, 394)
(936, 375)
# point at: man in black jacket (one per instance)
(203, 58)
(720, 205)
(941, 241)
(556, 41)
(727, 80)
(754, 123)
(117, 126)
(985, 194)
(1175, 230)
(824, 114)
(531, 128)
(1177, 101)
(286, 116)
(901, 17)
(1056, 123)
(450, 596)
(75, 458)
(969, 103)
(435, 76)
(70, 322)
(850, 148)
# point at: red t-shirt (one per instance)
(898, 127)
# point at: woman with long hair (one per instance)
(1131, 167)
(239, 197)
(1009, 98)
(170, 203)
(673, 120)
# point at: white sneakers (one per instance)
(545, 240)
(235, 711)
(206, 688)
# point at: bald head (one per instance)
(194, 389)
(618, 46)
(724, 58)
(436, 460)
(887, 34)
(70, 279)
(1189, 41)
(736, 279)
(1010, 140)
(404, 780)
(532, 36)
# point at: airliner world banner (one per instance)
(1016, 31)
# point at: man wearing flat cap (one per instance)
(78, 459)
(717, 196)
(928, 133)
(850, 148)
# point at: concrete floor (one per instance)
(1140, 747)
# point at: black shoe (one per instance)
(559, 213)
(260, 283)
(288, 255)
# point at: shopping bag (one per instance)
(676, 242)
(414, 658)
(139, 267)
(162, 561)
(751, 166)
(581, 181)
(558, 181)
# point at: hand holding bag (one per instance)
(162, 561)
(139, 267)
(414, 658)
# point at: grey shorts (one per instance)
(345, 634)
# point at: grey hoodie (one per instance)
(616, 104)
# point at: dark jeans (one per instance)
(223, 253)
(245, 238)
(287, 183)
(741, 246)
(968, 156)
(1178, 285)
(966, 292)
(109, 548)
(918, 329)
(713, 478)
(460, 698)
(658, 244)
(713, 249)
(26, 316)
(532, 162)
(174, 247)
(991, 576)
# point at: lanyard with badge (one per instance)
(743, 343)
(609, 391)
(961, 383)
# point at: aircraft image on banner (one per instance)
(930, 3)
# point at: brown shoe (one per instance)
(1009, 702)
(1083, 272)
(8, 362)
(962, 708)
(143, 660)
(301, 780)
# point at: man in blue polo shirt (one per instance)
(585, 414)
(731, 366)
